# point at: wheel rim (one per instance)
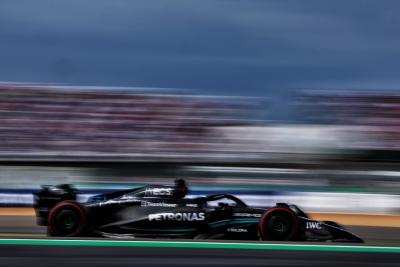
(66, 222)
(280, 227)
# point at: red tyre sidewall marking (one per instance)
(67, 204)
(265, 216)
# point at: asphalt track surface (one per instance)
(24, 244)
(50, 252)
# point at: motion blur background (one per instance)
(270, 100)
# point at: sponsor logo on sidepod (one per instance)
(157, 204)
(180, 216)
(237, 230)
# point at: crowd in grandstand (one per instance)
(375, 113)
(80, 121)
(62, 121)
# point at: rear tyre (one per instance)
(68, 218)
(279, 224)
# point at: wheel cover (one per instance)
(279, 227)
(66, 221)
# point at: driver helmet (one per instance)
(181, 188)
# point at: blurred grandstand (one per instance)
(374, 115)
(61, 123)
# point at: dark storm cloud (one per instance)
(239, 47)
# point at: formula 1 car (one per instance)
(163, 211)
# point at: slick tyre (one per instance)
(67, 219)
(279, 224)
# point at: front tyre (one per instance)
(279, 224)
(67, 219)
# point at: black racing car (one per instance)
(163, 211)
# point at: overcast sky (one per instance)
(242, 47)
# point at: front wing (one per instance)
(326, 231)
